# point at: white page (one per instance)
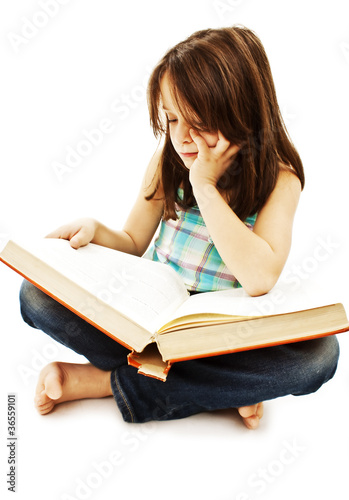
(283, 298)
(145, 291)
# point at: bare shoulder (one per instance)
(288, 178)
(283, 201)
(287, 188)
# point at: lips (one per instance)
(188, 155)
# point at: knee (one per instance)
(326, 356)
(32, 302)
(320, 362)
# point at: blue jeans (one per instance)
(207, 384)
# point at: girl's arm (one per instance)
(256, 258)
(138, 230)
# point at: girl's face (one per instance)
(181, 139)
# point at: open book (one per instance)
(146, 307)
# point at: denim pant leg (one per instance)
(219, 382)
(42, 312)
(227, 381)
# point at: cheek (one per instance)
(210, 138)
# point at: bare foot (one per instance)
(251, 415)
(59, 382)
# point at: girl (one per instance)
(224, 187)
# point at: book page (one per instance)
(236, 302)
(145, 291)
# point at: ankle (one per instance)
(106, 389)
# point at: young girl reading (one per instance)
(224, 188)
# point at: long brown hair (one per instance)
(221, 80)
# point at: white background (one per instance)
(65, 78)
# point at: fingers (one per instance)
(79, 233)
(222, 141)
(199, 141)
(223, 146)
(80, 239)
(55, 234)
(227, 147)
(65, 233)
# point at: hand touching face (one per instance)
(211, 162)
(208, 153)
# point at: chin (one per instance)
(188, 164)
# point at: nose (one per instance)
(182, 134)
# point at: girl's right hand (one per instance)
(79, 233)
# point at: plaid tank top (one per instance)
(186, 246)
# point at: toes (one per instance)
(41, 398)
(247, 411)
(45, 408)
(251, 422)
(251, 415)
(49, 388)
(260, 410)
(50, 382)
(43, 404)
(53, 385)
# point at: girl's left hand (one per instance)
(211, 162)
